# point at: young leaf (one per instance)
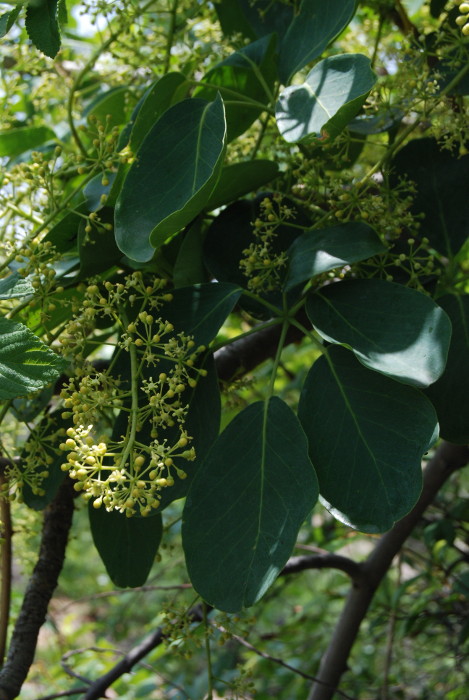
(127, 546)
(318, 251)
(43, 27)
(246, 505)
(26, 363)
(391, 329)
(366, 437)
(15, 286)
(172, 178)
(13, 142)
(325, 103)
(450, 393)
(312, 29)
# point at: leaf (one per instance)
(42, 442)
(311, 31)
(366, 437)
(97, 249)
(175, 172)
(327, 101)
(249, 72)
(127, 546)
(450, 393)
(253, 20)
(8, 19)
(201, 310)
(15, 286)
(26, 363)
(241, 178)
(441, 180)
(13, 142)
(318, 251)
(43, 27)
(246, 505)
(391, 329)
(189, 266)
(111, 108)
(162, 95)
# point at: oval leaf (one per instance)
(127, 546)
(318, 251)
(43, 27)
(175, 172)
(15, 286)
(246, 505)
(366, 437)
(26, 363)
(13, 142)
(325, 103)
(241, 178)
(391, 329)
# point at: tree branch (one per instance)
(57, 522)
(323, 561)
(447, 459)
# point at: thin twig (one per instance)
(5, 565)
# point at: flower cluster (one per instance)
(462, 20)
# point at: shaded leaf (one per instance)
(175, 172)
(43, 27)
(253, 20)
(189, 266)
(450, 393)
(13, 142)
(111, 108)
(241, 178)
(392, 329)
(97, 248)
(318, 251)
(15, 286)
(26, 363)
(326, 102)
(246, 505)
(127, 546)
(366, 435)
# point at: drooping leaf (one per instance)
(127, 546)
(13, 142)
(26, 363)
(172, 178)
(312, 29)
(246, 505)
(43, 27)
(391, 329)
(15, 286)
(440, 177)
(318, 251)
(8, 19)
(450, 393)
(325, 103)
(241, 178)
(250, 74)
(366, 436)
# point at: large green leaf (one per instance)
(250, 72)
(15, 286)
(189, 266)
(318, 251)
(246, 505)
(441, 179)
(241, 178)
(450, 393)
(13, 142)
(127, 546)
(43, 27)
(26, 363)
(366, 437)
(325, 103)
(391, 329)
(174, 174)
(254, 20)
(312, 29)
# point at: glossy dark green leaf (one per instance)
(8, 19)
(247, 74)
(94, 190)
(332, 94)
(172, 178)
(15, 286)
(366, 435)
(189, 266)
(440, 177)
(253, 20)
(241, 178)
(450, 393)
(43, 27)
(13, 142)
(246, 505)
(318, 251)
(312, 29)
(64, 234)
(26, 363)
(391, 329)
(127, 546)
(201, 310)
(163, 94)
(97, 248)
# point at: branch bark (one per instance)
(447, 459)
(41, 585)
